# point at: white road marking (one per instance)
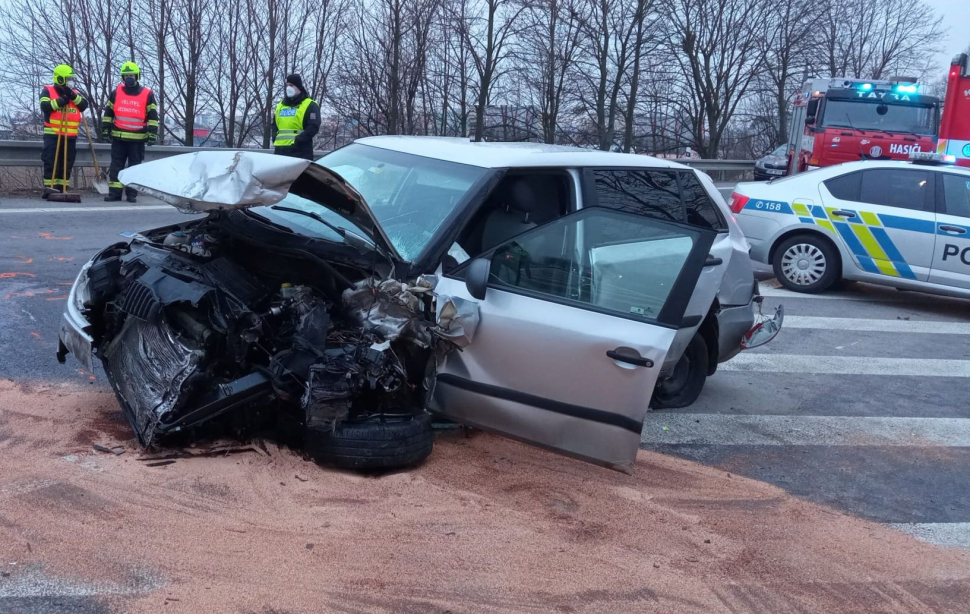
(774, 292)
(868, 294)
(735, 430)
(88, 209)
(882, 326)
(952, 534)
(764, 362)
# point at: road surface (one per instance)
(860, 404)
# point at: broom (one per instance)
(99, 182)
(63, 196)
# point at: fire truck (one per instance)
(955, 125)
(844, 120)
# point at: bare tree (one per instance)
(870, 39)
(486, 34)
(716, 46)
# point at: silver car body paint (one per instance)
(554, 352)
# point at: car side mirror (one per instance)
(476, 277)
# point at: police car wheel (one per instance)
(806, 264)
(686, 382)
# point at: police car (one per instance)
(901, 224)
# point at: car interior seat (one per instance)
(513, 216)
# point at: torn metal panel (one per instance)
(209, 180)
(457, 319)
(390, 308)
(148, 368)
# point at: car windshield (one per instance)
(864, 115)
(410, 195)
(780, 152)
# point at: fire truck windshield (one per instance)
(864, 115)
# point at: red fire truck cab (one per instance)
(845, 120)
(955, 125)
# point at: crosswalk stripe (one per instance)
(951, 534)
(766, 362)
(883, 326)
(767, 430)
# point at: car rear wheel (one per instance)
(376, 442)
(806, 264)
(687, 379)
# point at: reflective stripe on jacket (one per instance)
(64, 120)
(289, 122)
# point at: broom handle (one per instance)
(64, 188)
(57, 156)
(97, 169)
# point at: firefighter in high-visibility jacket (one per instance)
(297, 121)
(61, 106)
(131, 122)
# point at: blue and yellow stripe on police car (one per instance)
(865, 235)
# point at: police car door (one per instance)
(885, 219)
(951, 260)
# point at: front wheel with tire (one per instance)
(374, 442)
(804, 263)
(687, 379)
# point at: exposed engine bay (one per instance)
(193, 321)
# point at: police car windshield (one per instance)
(864, 115)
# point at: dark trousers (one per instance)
(295, 151)
(56, 178)
(124, 152)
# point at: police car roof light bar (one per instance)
(931, 158)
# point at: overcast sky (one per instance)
(956, 16)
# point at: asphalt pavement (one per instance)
(861, 403)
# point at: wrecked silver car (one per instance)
(358, 292)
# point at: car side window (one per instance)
(903, 189)
(701, 210)
(606, 261)
(956, 194)
(651, 193)
(845, 187)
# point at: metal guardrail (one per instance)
(27, 153)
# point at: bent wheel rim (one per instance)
(803, 264)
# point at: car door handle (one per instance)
(957, 230)
(637, 360)
(713, 261)
(841, 213)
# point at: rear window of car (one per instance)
(675, 196)
(895, 188)
(845, 187)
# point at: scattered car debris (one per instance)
(116, 450)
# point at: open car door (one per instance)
(576, 318)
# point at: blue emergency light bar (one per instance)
(907, 89)
(865, 87)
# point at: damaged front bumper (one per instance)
(74, 336)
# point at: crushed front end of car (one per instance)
(230, 312)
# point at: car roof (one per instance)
(848, 167)
(511, 155)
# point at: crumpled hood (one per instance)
(209, 180)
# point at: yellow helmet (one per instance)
(63, 72)
(130, 69)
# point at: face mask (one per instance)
(69, 83)
(291, 91)
(130, 81)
